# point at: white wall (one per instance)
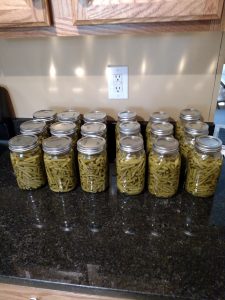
(166, 71)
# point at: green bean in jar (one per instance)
(93, 164)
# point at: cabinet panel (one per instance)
(31, 13)
(17, 292)
(133, 11)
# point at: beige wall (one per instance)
(166, 71)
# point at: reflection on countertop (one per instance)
(107, 240)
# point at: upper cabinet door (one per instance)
(23, 13)
(131, 11)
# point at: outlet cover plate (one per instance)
(117, 82)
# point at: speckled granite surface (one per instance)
(172, 247)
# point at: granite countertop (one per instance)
(105, 243)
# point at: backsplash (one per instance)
(166, 72)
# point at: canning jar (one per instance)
(35, 127)
(156, 117)
(48, 115)
(27, 161)
(191, 131)
(124, 116)
(95, 116)
(93, 129)
(164, 167)
(204, 166)
(127, 129)
(93, 166)
(162, 129)
(70, 116)
(130, 165)
(61, 129)
(186, 115)
(59, 163)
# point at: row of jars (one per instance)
(200, 153)
(159, 127)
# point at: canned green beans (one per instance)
(27, 162)
(93, 165)
(164, 168)
(204, 167)
(130, 164)
(59, 164)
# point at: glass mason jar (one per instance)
(191, 131)
(164, 167)
(204, 166)
(49, 116)
(124, 116)
(95, 116)
(130, 165)
(93, 129)
(61, 129)
(93, 165)
(35, 127)
(70, 116)
(164, 129)
(186, 115)
(127, 129)
(59, 163)
(156, 117)
(27, 161)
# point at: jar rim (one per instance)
(159, 116)
(32, 126)
(91, 145)
(95, 116)
(45, 114)
(57, 145)
(208, 144)
(68, 115)
(130, 127)
(196, 128)
(190, 114)
(131, 144)
(94, 128)
(162, 128)
(63, 128)
(23, 143)
(127, 115)
(166, 145)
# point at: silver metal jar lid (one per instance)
(32, 127)
(162, 129)
(190, 114)
(93, 129)
(208, 144)
(130, 127)
(166, 145)
(131, 143)
(95, 116)
(91, 145)
(62, 128)
(127, 115)
(46, 115)
(196, 128)
(159, 116)
(57, 145)
(23, 143)
(68, 115)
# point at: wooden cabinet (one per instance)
(17, 292)
(139, 11)
(32, 13)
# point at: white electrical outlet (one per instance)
(117, 82)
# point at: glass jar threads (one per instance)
(164, 167)
(59, 163)
(130, 165)
(124, 116)
(70, 116)
(163, 129)
(156, 117)
(61, 129)
(35, 127)
(127, 129)
(46, 115)
(93, 166)
(191, 132)
(186, 115)
(95, 116)
(204, 166)
(93, 129)
(27, 161)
